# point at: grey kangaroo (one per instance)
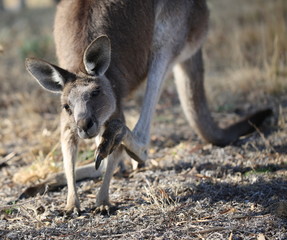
(106, 49)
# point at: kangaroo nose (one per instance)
(85, 124)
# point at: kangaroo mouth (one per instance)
(91, 133)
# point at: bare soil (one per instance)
(189, 189)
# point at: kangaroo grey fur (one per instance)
(106, 49)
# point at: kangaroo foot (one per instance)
(117, 133)
(72, 206)
(105, 209)
(71, 212)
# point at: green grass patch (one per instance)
(261, 170)
(40, 47)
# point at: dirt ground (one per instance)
(189, 189)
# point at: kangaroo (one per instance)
(106, 49)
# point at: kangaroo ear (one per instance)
(97, 56)
(49, 76)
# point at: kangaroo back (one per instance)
(129, 27)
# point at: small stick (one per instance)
(215, 229)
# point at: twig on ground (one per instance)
(7, 158)
(125, 234)
(215, 229)
(16, 205)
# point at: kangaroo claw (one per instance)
(99, 159)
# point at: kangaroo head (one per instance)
(87, 98)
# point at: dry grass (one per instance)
(248, 48)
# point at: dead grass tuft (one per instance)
(42, 166)
(159, 196)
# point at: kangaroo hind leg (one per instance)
(169, 37)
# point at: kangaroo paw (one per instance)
(140, 156)
(135, 148)
(117, 133)
(111, 139)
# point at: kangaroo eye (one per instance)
(95, 92)
(67, 108)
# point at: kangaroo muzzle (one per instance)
(87, 128)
